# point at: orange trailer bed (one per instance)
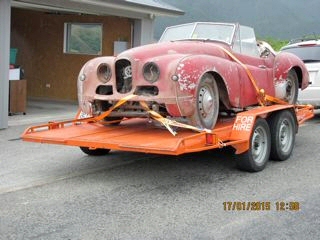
(139, 135)
(133, 135)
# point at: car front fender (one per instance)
(190, 70)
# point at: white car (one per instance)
(309, 52)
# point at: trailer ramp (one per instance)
(136, 135)
(140, 135)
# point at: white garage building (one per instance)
(37, 29)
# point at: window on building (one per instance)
(83, 38)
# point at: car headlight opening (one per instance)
(104, 72)
(151, 72)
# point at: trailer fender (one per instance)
(241, 130)
(244, 123)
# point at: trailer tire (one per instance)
(256, 158)
(95, 152)
(283, 132)
(207, 103)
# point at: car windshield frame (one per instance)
(222, 32)
(307, 53)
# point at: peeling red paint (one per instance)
(188, 61)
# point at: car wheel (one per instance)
(292, 87)
(95, 152)
(256, 158)
(207, 103)
(283, 132)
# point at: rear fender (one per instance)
(284, 62)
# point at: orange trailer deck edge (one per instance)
(139, 135)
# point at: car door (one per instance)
(247, 52)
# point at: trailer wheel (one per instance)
(292, 87)
(207, 103)
(95, 152)
(256, 158)
(283, 132)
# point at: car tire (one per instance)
(283, 132)
(292, 87)
(95, 152)
(256, 158)
(207, 103)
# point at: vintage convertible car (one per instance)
(193, 73)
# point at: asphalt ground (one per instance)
(57, 192)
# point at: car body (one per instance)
(195, 71)
(309, 52)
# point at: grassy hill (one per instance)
(280, 19)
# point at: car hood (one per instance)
(190, 47)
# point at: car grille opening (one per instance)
(123, 76)
(146, 91)
(104, 90)
(128, 109)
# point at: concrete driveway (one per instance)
(57, 192)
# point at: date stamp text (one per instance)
(261, 206)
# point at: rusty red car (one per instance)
(194, 73)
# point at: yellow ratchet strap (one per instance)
(156, 116)
(262, 97)
(118, 104)
(168, 122)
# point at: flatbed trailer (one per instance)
(257, 134)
